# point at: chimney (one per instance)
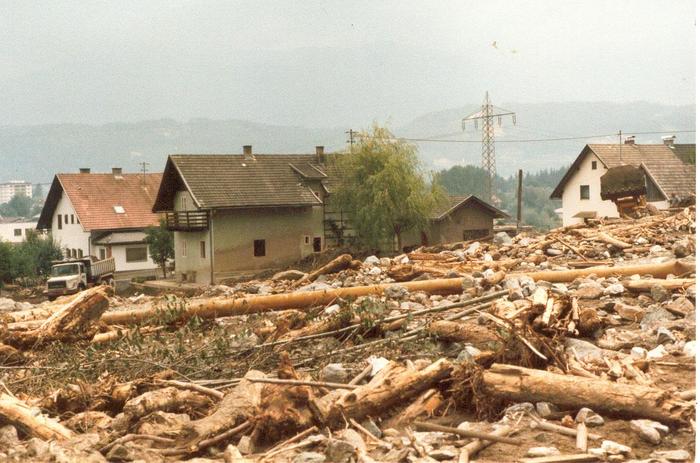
(84, 170)
(320, 155)
(669, 140)
(629, 140)
(117, 172)
(248, 153)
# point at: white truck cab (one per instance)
(70, 277)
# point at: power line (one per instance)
(528, 140)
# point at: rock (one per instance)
(614, 290)
(523, 407)
(659, 293)
(584, 350)
(340, 451)
(511, 283)
(613, 448)
(546, 409)
(689, 349)
(542, 451)
(657, 353)
(443, 453)
(395, 292)
(288, 275)
(372, 260)
(309, 457)
(559, 288)
(516, 295)
(330, 310)
(245, 445)
(655, 318)
(37, 448)
(650, 431)
(315, 286)
(671, 455)
(488, 257)
(682, 248)
(385, 262)
(468, 282)
(334, 373)
(553, 252)
(372, 427)
(375, 271)
(589, 290)
(8, 437)
(473, 248)
(682, 304)
(656, 249)
(629, 312)
(468, 354)
(120, 452)
(502, 238)
(353, 438)
(664, 335)
(588, 416)
(639, 353)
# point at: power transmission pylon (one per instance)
(488, 147)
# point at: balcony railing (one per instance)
(187, 220)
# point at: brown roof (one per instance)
(232, 181)
(455, 202)
(670, 174)
(94, 197)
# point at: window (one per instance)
(119, 209)
(67, 253)
(317, 244)
(60, 222)
(74, 253)
(259, 248)
(585, 192)
(184, 248)
(594, 165)
(183, 202)
(203, 249)
(27, 231)
(72, 219)
(18, 232)
(307, 239)
(65, 219)
(137, 254)
(80, 253)
(103, 254)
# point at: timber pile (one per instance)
(577, 345)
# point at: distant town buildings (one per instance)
(14, 187)
(15, 229)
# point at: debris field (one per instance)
(571, 346)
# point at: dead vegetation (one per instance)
(577, 345)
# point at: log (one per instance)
(571, 458)
(167, 399)
(384, 391)
(336, 265)
(226, 307)
(626, 400)
(605, 238)
(480, 336)
(424, 405)
(339, 320)
(672, 284)
(77, 320)
(423, 426)
(474, 447)
(18, 413)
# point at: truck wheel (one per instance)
(81, 287)
(51, 298)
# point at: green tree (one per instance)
(6, 257)
(161, 245)
(33, 256)
(19, 206)
(382, 186)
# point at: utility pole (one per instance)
(144, 167)
(488, 139)
(619, 133)
(520, 199)
(351, 138)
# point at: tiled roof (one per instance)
(231, 180)
(121, 238)
(455, 202)
(665, 168)
(94, 197)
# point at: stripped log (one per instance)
(77, 320)
(480, 336)
(627, 400)
(18, 413)
(672, 284)
(384, 391)
(605, 238)
(424, 406)
(336, 265)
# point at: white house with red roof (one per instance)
(103, 215)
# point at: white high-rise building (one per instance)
(14, 187)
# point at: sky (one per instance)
(333, 63)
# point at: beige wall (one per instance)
(451, 229)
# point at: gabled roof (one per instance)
(221, 181)
(456, 202)
(661, 162)
(94, 197)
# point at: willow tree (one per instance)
(383, 189)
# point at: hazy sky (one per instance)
(333, 62)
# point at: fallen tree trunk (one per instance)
(626, 400)
(480, 336)
(376, 397)
(77, 320)
(18, 413)
(646, 285)
(336, 265)
(226, 307)
(424, 405)
(605, 238)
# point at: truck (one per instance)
(74, 275)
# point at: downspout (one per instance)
(211, 247)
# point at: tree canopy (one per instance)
(18, 206)
(161, 245)
(382, 186)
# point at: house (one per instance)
(103, 215)
(15, 229)
(668, 177)
(236, 213)
(12, 188)
(462, 218)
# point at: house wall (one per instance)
(572, 203)
(119, 254)
(71, 236)
(7, 231)
(452, 228)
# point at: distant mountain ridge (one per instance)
(36, 153)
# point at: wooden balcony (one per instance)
(187, 220)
